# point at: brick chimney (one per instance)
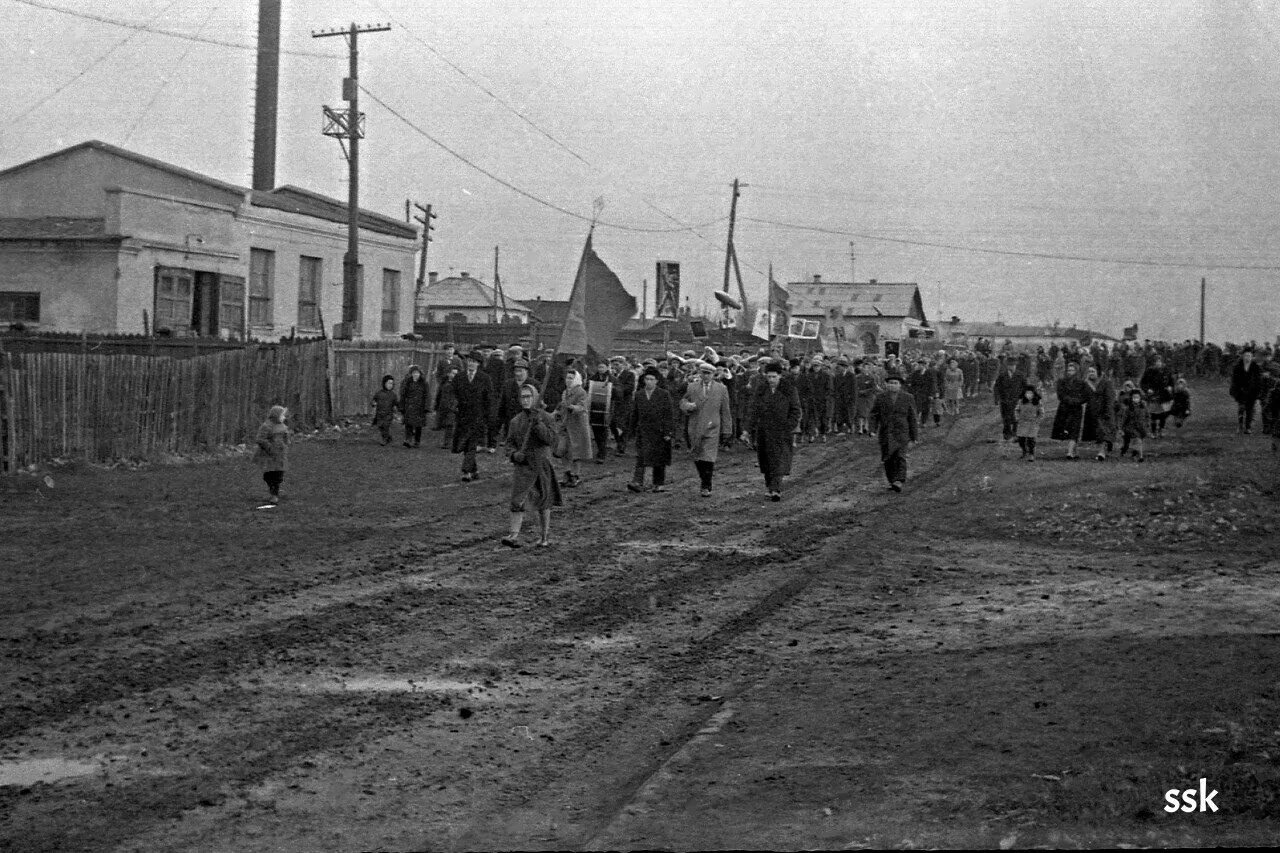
(432, 278)
(466, 274)
(872, 281)
(817, 278)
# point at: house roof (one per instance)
(288, 198)
(53, 228)
(465, 292)
(855, 299)
(549, 310)
(1003, 330)
(99, 145)
(297, 200)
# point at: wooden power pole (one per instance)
(348, 129)
(1202, 311)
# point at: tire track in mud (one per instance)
(621, 732)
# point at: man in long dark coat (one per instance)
(476, 408)
(1008, 390)
(651, 420)
(772, 421)
(893, 418)
(1246, 388)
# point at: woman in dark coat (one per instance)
(413, 405)
(651, 420)
(1157, 384)
(1073, 396)
(530, 435)
(772, 422)
(1100, 413)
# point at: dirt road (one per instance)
(1006, 654)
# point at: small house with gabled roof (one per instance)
(860, 317)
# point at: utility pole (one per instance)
(731, 254)
(1202, 311)
(497, 285)
(644, 299)
(421, 284)
(853, 275)
(350, 127)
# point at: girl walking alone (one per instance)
(1028, 415)
(530, 435)
(272, 453)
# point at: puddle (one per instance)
(604, 642)
(33, 770)
(406, 685)
(673, 545)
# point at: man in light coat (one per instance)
(706, 404)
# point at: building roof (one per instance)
(549, 310)
(288, 198)
(1003, 330)
(297, 200)
(465, 292)
(855, 299)
(53, 228)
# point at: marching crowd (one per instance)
(702, 403)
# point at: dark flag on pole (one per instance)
(598, 308)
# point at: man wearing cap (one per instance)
(624, 390)
(448, 361)
(476, 407)
(706, 404)
(495, 366)
(893, 417)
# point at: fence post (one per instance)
(10, 428)
(329, 382)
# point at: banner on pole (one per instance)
(667, 290)
(807, 329)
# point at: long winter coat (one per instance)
(414, 399)
(1157, 383)
(652, 422)
(573, 417)
(1135, 419)
(772, 420)
(894, 417)
(953, 384)
(1100, 413)
(1068, 420)
(864, 386)
(533, 481)
(710, 419)
(1246, 385)
(272, 453)
(384, 406)
(476, 404)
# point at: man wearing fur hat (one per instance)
(706, 404)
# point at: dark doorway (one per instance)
(204, 310)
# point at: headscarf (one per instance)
(573, 378)
(537, 397)
(277, 414)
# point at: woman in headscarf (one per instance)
(573, 419)
(1068, 420)
(530, 435)
(413, 405)
(1100, 413)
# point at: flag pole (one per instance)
(577, 283)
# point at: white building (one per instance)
(95, 238)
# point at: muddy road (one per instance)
(1005, 654)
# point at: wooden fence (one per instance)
(104, 407)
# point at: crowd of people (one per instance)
(700, 404)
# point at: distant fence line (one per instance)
(98, 408)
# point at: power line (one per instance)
(525, 193)
(1015, 253)
(164, 81)
(98, 60)
(159, 31)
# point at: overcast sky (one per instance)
(1097, 129)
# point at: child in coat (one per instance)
(272, 453)
(1028, 415)
(1135, 422)
(447, 408)
(1181, 403)
(384, 407)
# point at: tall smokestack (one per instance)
(266, 95)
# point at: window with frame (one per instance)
(262, 268)
(310, 272)
(19, 306)
(391, 301)
(231, 305)
(174, 294)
